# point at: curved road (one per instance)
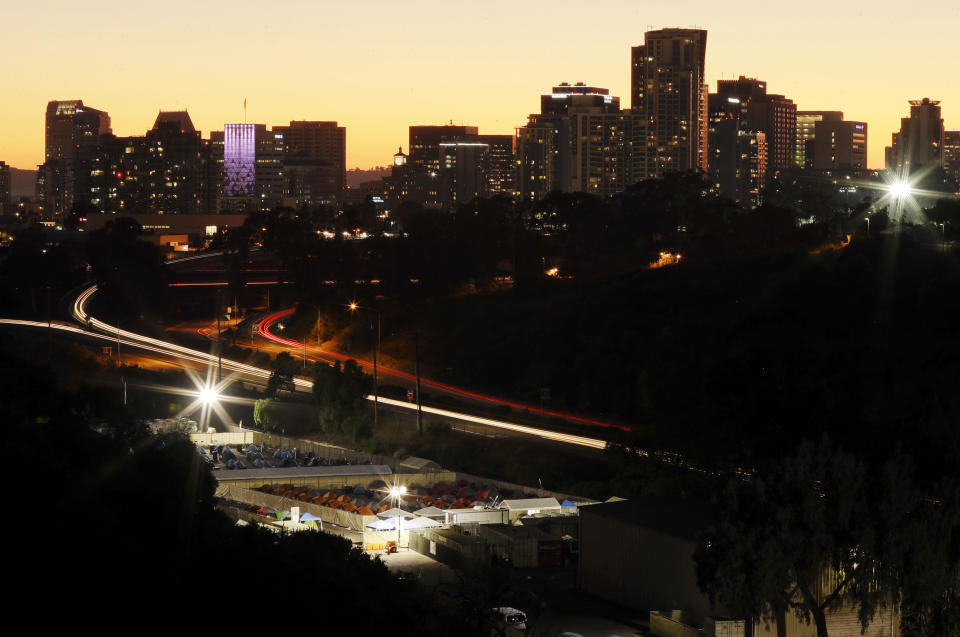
(263, 330)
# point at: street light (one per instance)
(396, 492)
(868, 224)
(376, 400)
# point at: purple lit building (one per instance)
(239, 160)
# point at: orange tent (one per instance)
(385, 507)
(364, 511)
(349, 507)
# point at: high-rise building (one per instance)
(425, 143)
(669, 91)
(171, 165)
(463, 171)
(920, 139)
(4, 183)
(251, 161)
(839, 144)
(806, 132)
(501, 164)
(773, 115)
(540, 145)
(951, 155)
(582, 142)
(565, 96)
(738, 155)
(317, 150)
(71, 131)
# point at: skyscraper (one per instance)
(319, 151)
(839, 144)
(738, 155)
(172, 164)
(668, 89)
(920, 140)
(581, 142)
(4, 183)
(806, 132)
(251, 161)
(72, 130)
(773, 115)
(951, 155)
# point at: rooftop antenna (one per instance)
(244, 110)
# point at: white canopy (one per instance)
(430, 512)
(531, 504)
(392, 513)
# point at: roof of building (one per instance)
(282, 473)
(672, 516)
(531, 503)
(179, 118)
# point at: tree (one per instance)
(284, 368)
(807, 535)
(339, 395)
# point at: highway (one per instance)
(406, 379)
(234, 370)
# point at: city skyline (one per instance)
(417, 64)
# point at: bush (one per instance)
(437, 427)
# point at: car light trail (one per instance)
(263, 329)
(570, 439)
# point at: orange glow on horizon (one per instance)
(378, 67)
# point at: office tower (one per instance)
(806, 132)
(315, 150)
(566, 96)
(118, 173)
(773, 115)
(4, 183)
(463, 171)
(582, 143)
(539, 166)
(71, 131)
(920, 140)
(501, 164)
(951, 155)
(425, 142)
(668, 89)
(171, 165)
(839, 144)
(738, 155)
(251, 173)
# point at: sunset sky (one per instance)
(377, 67)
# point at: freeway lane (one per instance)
(164, 349)
(263, 330)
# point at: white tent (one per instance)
(532, 505)
(392, 513)
(430, 512)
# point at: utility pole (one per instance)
(376, 399)
(49, 329)
(219, 343)
(416, 372)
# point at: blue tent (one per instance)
(306, 517)
(567, 504)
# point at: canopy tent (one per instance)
(413, 524)
(430, 512)
(392, 513)
(567, 504)
(306, 517)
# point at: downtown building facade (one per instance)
(951, 155)
(737, 154)
(669, 92)
(450, 165)
(581, 141)
(4, 183)
(171, 169)
(919, 142)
